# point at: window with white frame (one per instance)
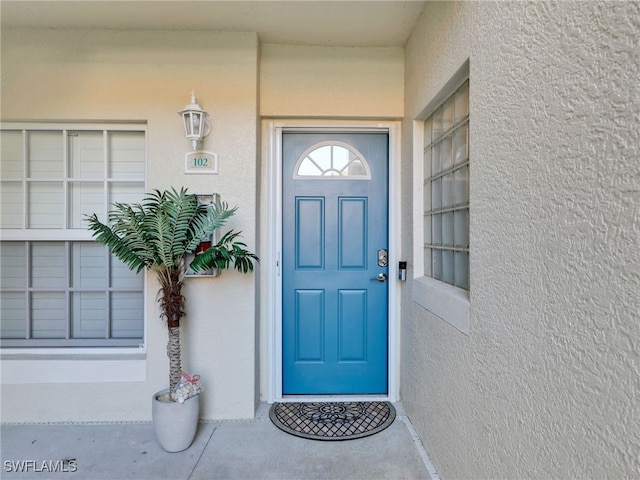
(446, 190)
(57, 286)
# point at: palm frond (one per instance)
(183, 211)
(167, 225)
(127, 224)
(224, 253)
(212, 218)
(116, 244)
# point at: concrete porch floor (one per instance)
(244, 450)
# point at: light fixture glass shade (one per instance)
(196, 125)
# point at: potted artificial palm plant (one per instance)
(160, 234)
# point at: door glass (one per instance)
(332, 161)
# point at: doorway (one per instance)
(332, 296)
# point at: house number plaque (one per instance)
(201, 162)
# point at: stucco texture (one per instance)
(547, 383)
(303, 81)
(147, 76)
(101, 75)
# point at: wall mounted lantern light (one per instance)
(196, 125)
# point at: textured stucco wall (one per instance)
(118, 75)
(547, 382)
(113, 75)
(331, 81)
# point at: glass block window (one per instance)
(57, 286)
(332, 161)
(446, 190)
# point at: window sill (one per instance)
(446, 302)
(20, 367)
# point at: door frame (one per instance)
(271, 258)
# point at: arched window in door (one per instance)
(332, 161)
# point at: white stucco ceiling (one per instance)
(302, 22)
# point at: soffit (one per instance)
(366, 23)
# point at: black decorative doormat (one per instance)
(332, 420)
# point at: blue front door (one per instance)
(334, 263)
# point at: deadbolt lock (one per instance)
(383, 258)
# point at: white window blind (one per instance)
(57, 287)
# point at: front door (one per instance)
(334, 263)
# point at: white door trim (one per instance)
(272, 260)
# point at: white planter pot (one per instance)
(175, 423)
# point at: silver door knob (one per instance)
(382, 277)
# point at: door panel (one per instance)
(352, 232)
(309, 231)
(309, 318)
(352, 325)
(335, 324)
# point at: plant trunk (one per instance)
(173, 352)
(173, 309)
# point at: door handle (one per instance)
(382, 277)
